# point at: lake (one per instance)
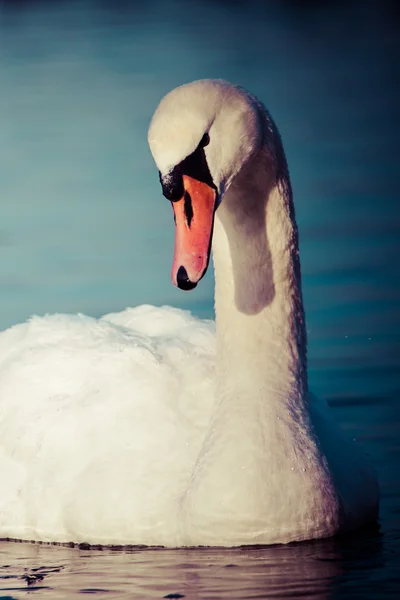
(84, 228)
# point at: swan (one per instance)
(153, 427)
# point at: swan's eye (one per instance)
(195, 164)
(205, 140)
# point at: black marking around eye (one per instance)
(188, 208)
(205, 140)
(195, 165)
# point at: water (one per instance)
(360, 567)
(84, 229)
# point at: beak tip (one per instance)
(182, 280)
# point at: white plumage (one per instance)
(144, 427)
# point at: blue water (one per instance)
(84, 228)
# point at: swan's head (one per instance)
(201, 136)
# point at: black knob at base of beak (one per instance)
(183, 281)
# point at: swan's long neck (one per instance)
(260, 449)
(261, 335)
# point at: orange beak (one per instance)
(194, 219)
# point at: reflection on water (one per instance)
(84, 228)
(317, 569)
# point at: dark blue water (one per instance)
(84, 229)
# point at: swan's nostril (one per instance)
(183, 281)
(188, 207)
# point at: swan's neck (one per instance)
(261, 335)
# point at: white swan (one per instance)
(144, 427)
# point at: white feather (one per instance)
(146, 427)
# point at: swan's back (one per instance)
(101, 422)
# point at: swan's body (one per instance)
(145, 427)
